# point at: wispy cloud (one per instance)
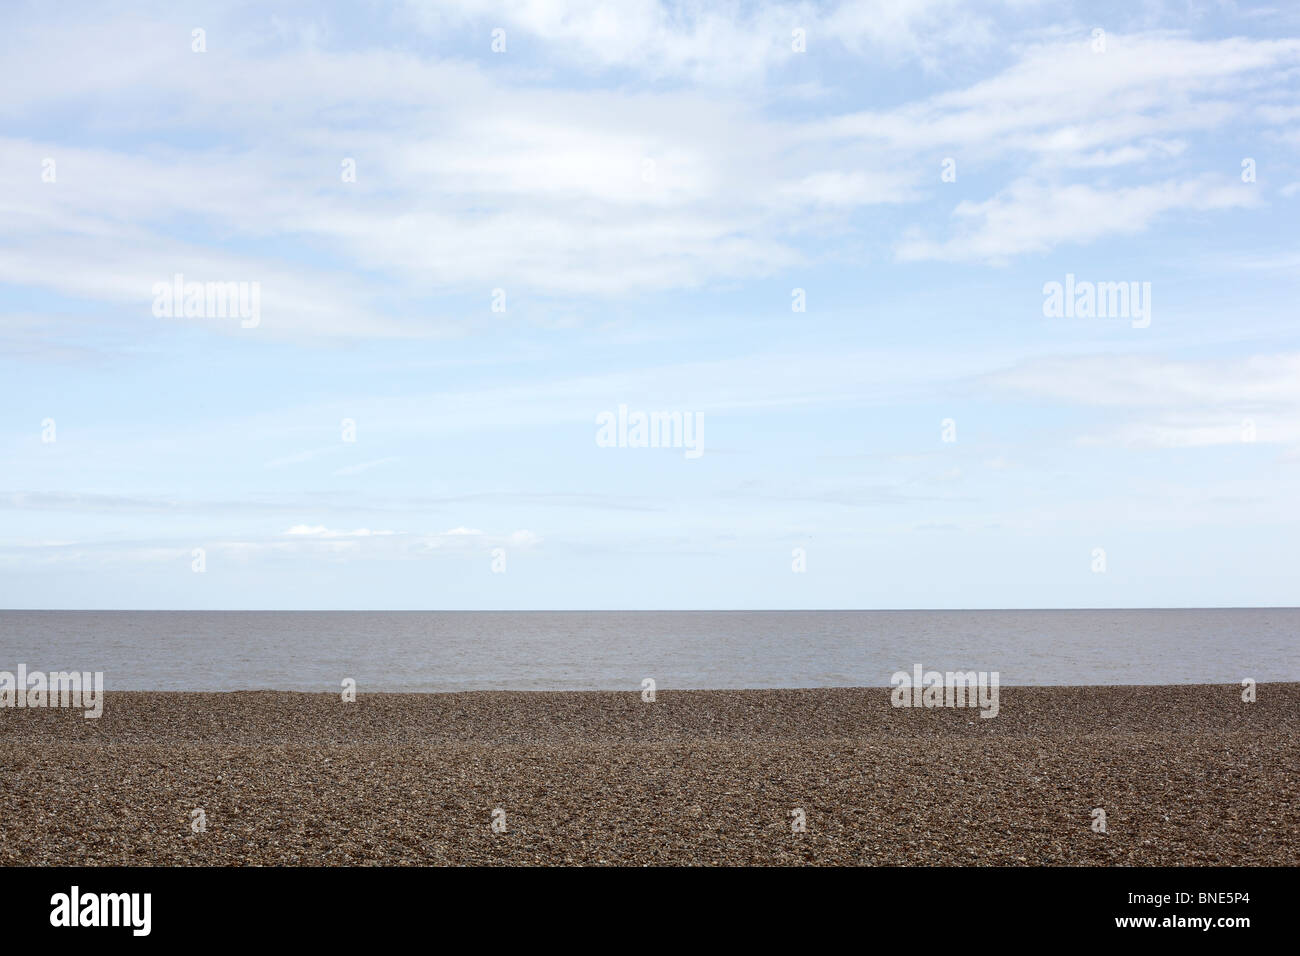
(1170, 403)
(822, 226)
(366, 465)
(1033, 218)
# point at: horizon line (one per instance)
(638, 610)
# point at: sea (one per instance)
(617, 650)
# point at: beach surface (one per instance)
(1185, 774)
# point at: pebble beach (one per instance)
(1186, 775)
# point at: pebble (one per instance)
(1185, 774)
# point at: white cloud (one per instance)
(1168, 403)
(471, 178)
(523, 539)
(1030, 217)
(320, 531)
(472, 540)
(722, 42)
(366, 465)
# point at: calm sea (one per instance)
(551, 650)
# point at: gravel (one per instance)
(1185, 775)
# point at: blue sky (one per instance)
(647, 191)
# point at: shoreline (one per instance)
(1186, 774)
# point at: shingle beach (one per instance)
(1185, 775)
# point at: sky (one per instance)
(825, 235)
